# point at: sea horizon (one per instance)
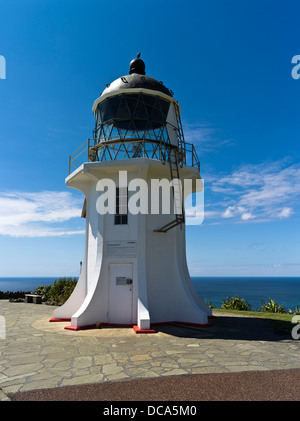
(213, 289)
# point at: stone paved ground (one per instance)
(37, 354)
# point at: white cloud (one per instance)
(240, 211)
(261, 192)
(204, 138)
(285, 213)
(38, 214)
(247, 215)
(228, 213)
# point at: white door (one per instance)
(120, 293)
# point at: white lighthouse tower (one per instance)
(134, 271)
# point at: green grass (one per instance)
(261, 314)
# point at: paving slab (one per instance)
(37, 354)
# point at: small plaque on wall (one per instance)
(121, 280)
(122, 248)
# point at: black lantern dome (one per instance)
(134, 105)
(137, 66)
(136, 79)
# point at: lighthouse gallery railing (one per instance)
(130, 148)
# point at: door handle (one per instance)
(128, 281)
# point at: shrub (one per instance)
(272, 307)
(297, 310)
(209, 303)
(59, 292)
(236, 303)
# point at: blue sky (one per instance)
(229, 65)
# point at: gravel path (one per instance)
(281, 385)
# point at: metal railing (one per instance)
(73, 162)
(130, 148)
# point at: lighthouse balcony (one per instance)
(131, 147)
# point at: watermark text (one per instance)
(296, 329)
(157, 196)
(2, 328)
(2, 67)
(296, 69)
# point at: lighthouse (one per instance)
(133, 177)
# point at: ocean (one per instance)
(285, 291)
(24, 284)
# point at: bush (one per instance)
(236, 303)
(209, 303)
(272, 307)
(297, 310)
(59, 292)
(44, 291)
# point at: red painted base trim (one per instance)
(71, 327)
(138, 330)
(135, 327)
(53, 319)
(80, 327)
